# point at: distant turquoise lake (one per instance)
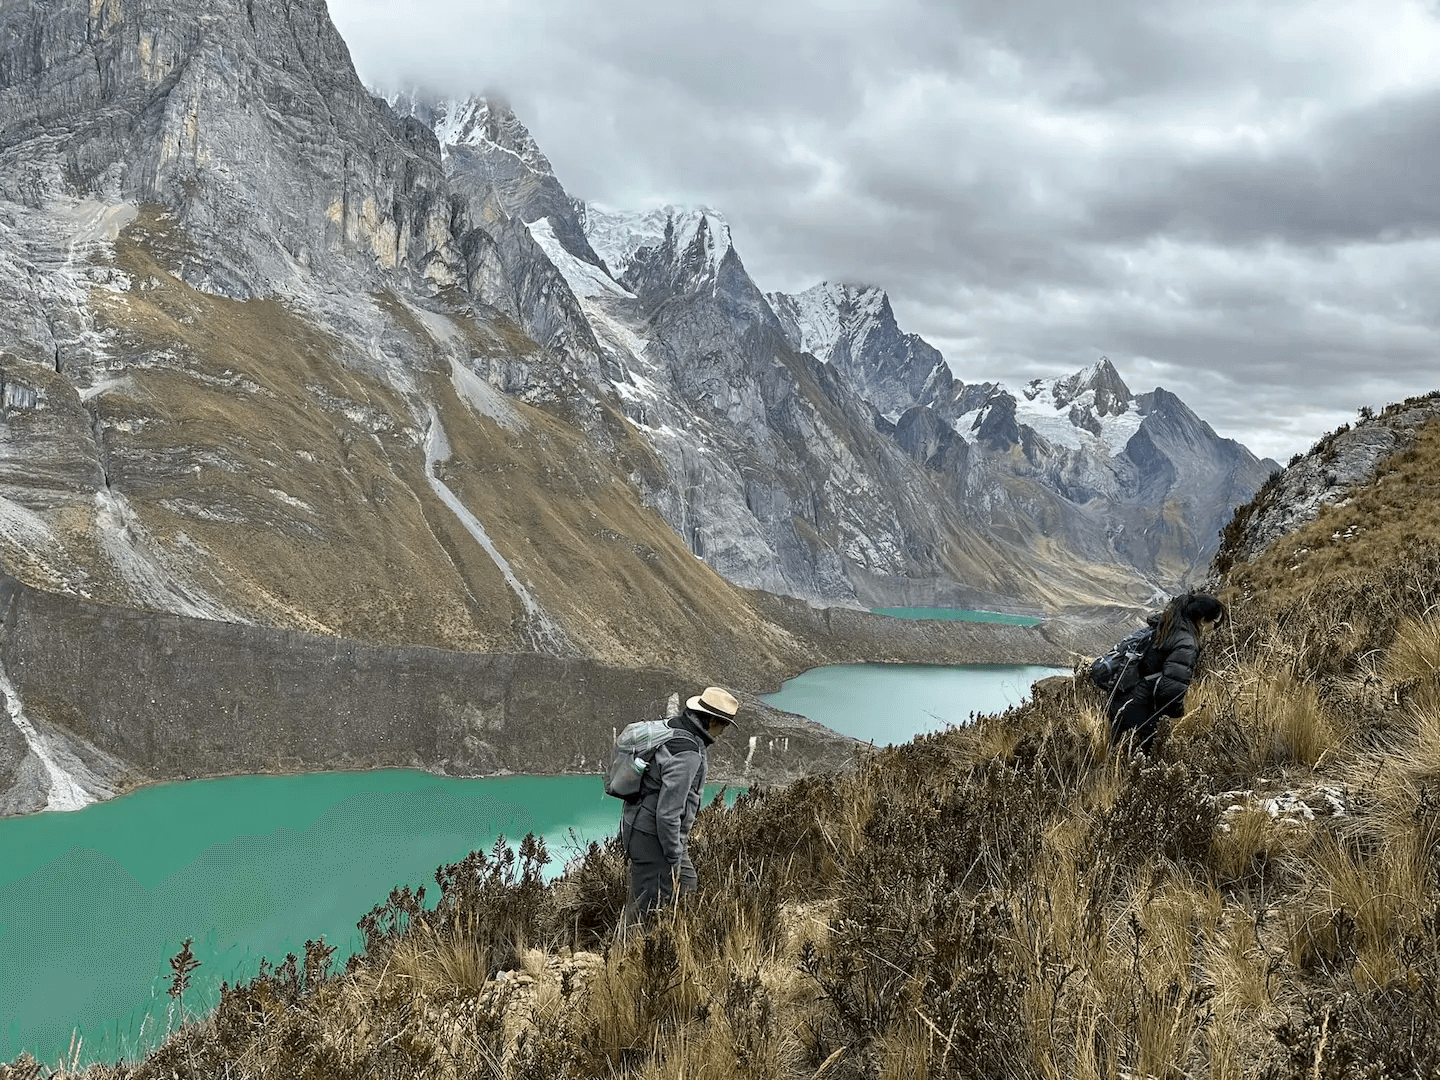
(892, 703)
(93, 903)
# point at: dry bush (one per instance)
(1164, 811)
(1344, 1031)
(584, 906)
(662, 1009)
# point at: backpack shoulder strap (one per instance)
(677, 740)
(682, 741)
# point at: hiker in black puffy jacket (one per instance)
(655, 830)
(1157, 685)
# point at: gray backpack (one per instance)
(634, 749)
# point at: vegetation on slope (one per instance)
(1259, 898)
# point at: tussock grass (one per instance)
(1261, 898)
(1415, 653)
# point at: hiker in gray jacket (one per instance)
(655, 829)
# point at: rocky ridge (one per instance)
(854, 328)
(1151, 481)
(1326, 475)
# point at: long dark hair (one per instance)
(1190, 607)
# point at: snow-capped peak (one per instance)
(824, 314)
(1099, 385)
(473, 122)
(617, 236)
(1090, 407)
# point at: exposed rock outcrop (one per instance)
(1326, 475)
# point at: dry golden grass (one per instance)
(1012, 900)
(1415, 654)
(1396, 514)
(1358, 912)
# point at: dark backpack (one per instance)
(1106, 671)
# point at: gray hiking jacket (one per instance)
(671, 791)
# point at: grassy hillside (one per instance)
(1260, 898)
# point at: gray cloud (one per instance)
(1231, 200)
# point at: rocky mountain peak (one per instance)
(1098, 389)
(1110, 395)
(819, 319)
(492, 161)
(247, 121)
(853, 328)
(477, 122)
(694, 238)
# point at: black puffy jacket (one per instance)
(1165, 672)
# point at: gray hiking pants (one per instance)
(652, 878)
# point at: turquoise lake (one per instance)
(93, 903)
(892, 703)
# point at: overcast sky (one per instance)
(1234, 200)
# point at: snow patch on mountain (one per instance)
(472, 121)
(1074, 424)
(618, 236)
(1058, 425)
(826, 313)
(584, 280)
(1091, 409)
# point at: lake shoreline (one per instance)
(119, 698)
(181, 862)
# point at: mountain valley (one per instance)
(281, 356)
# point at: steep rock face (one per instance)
(854, 328)
(929, 439)
(250, 120)
(111, 697)
(776, 497)
(487, 150)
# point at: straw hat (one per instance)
(715, 702)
